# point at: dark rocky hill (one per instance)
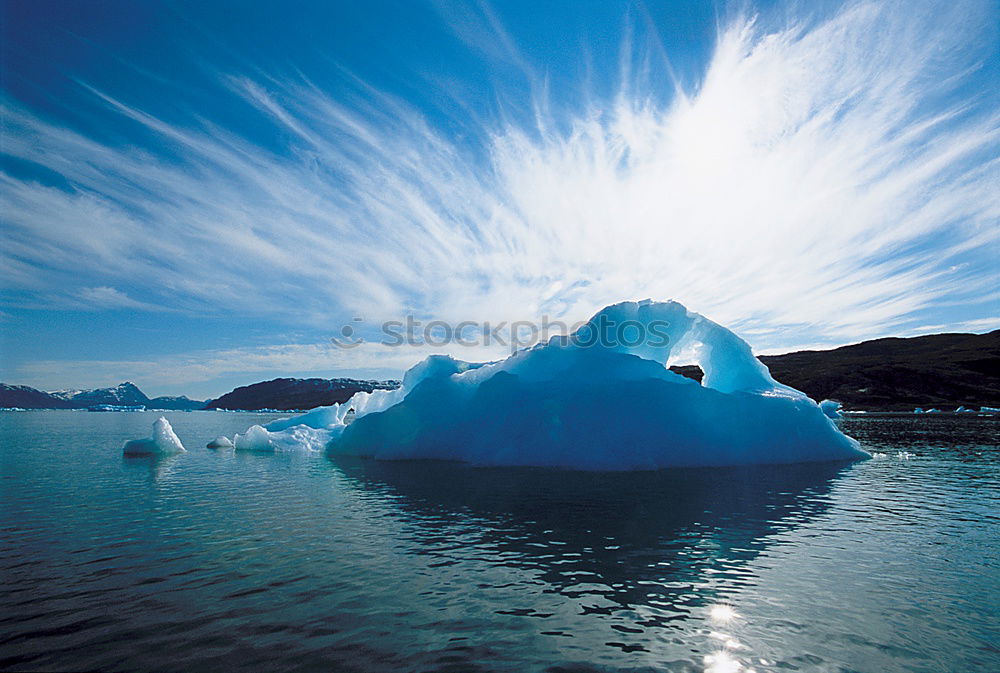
(23, 397)
(896, 374)
(289, 394)
(181, 403)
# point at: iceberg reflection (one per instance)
(638, 541)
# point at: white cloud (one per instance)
(824, 178)
(978, 326)
(105, 297)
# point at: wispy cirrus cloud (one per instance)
(104, 297)
(828, 176)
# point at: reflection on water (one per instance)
(619, 539)
(302, 563)
(157, 467)
(629, 552)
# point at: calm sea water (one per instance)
(213, 561)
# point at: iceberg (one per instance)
(319, 418)
(600, 399)
(296, 437)
(163, 441)
(254, 439)
(220, 442)
(831, 408)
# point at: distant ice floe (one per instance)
(959, 410)
(898, 455)
(574, 403)
(162, 442)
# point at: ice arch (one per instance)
(726, 360)
(590, 401)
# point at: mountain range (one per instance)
(893, 374)
(283, 394)
(125, 394)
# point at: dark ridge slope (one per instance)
(23, 397)
(289, 394)
(895, 374)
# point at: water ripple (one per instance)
(294, 562)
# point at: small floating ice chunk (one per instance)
(220, 442)
(163, 441)
(831, 408)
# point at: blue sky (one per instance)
(198, 195)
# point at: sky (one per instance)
(199, 195)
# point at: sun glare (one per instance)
(722, 614)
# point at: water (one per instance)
(212, 560)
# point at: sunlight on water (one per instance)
(722, 614)
(723, 662)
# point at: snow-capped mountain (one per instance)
(125, 394)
